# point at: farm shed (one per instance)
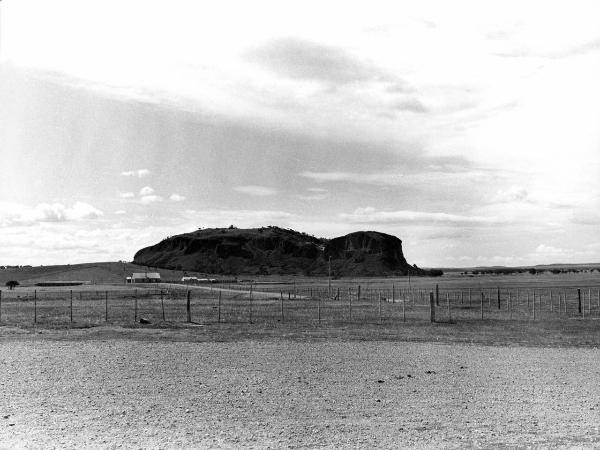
(144, 277)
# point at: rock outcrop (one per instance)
(273, 250)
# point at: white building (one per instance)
(144, 277)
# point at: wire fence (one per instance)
(302, 304)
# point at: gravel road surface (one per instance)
(126, 393)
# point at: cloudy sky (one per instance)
(471, 130)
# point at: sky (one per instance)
(469, 129)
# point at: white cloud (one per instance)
(148, 199)
(585, 217)
(15, 214)
(549, 250)
(140, 173)
(146, 190)
(120, 212)
(512, 194)
(370, 215)
(126, 195)
(497, 260)
(82, 211)
(258, 191)
(176, 198)
(77, 242)
(238, 217)
(313, 197)
(450, 176)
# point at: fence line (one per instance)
(310, 304)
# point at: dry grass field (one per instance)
(356, 378)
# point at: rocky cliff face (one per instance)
(273, 250)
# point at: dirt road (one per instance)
(280, 393)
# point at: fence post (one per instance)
(319, 305)
(469, 296)
(281, 296)
(0, 305)
(162, 304)
(393, 295)
(579, 299)
(71, 306)
(431, 308)
(357, 295)
(350, 301)
(482, 299)
(498, 298)
(188, 307)
(509, 305)
(559, 303)
(534, 305)
(106, 306)
(437, 294)
(379, 307)
(448, 304)
(251, 302)
(35, 306)
(219, 309)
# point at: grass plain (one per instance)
(368, 374)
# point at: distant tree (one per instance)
(12, 284)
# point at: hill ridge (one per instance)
(273, 250)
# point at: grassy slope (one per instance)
(101, 272)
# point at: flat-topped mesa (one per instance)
(274, 251)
